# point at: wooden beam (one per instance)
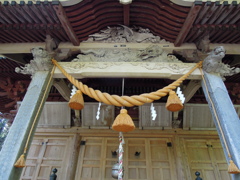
(126, 13)
(62, 88)
(191, 89)
(188, 24)
(18, 48)
(66, 24)
(127, 69)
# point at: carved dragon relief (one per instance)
(77, 67)
(123, 34)
(213, 63)
(151, 58)
(152, 53)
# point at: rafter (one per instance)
(188, 24)
(126, 13)
(66, 24)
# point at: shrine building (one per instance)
(120, 89)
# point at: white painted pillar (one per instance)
(30, 109)
(226, 113)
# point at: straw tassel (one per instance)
(21, 160)
(173, 103)
(76, 102)
(123, 122)
(232, 168)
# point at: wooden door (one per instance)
(205, 156)
(155, 162)
(162, 159)
(144, 158)
(45, 154)
(96, 160)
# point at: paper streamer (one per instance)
(74, 90)
(98, 111)
(153, 112)
(180, 95)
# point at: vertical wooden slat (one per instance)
(40, 158)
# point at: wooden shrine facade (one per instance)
(90, 150)
(105, 41)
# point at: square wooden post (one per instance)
(28, 112)
(225, 117)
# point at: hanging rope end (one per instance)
(20, 162)
(232, 168)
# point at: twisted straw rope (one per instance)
(129, 101)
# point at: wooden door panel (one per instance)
(109, 159)
(161, 159)
(155, 160)
(136, 163)
(207, 157)
(90, 159)
(45, 154)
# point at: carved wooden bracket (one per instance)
(13, 90)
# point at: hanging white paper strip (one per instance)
(74, 90)
(98, 111)
(180, 95)
(153, 112)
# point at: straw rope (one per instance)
(129, 101)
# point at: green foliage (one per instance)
(4, 128)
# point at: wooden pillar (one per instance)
(28, 112)
(229, 123)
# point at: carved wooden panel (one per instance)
(205, 156)
(89, 113)
(163, 119)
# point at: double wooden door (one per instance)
(164, 158)
(144, 158)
